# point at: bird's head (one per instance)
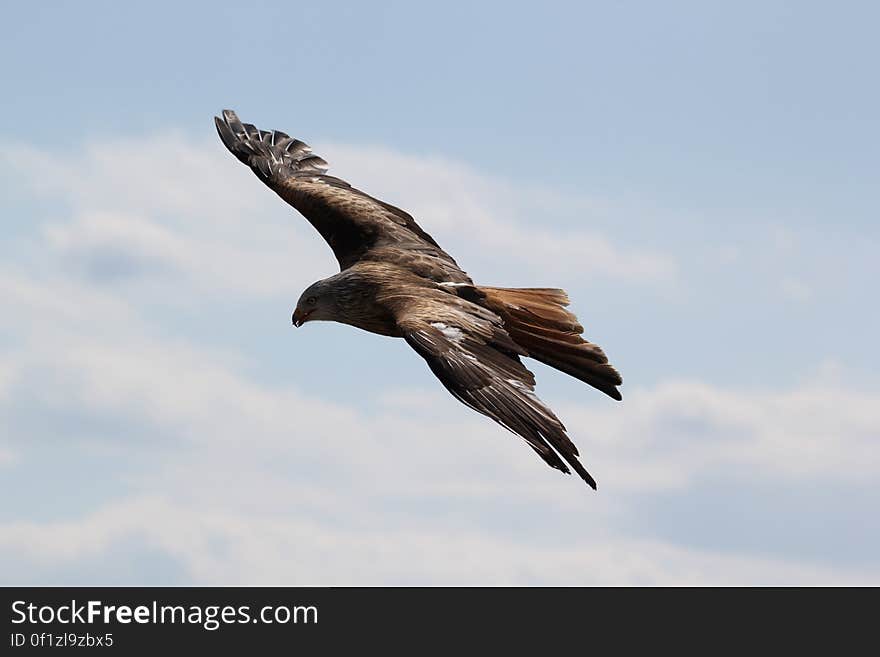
(316, 303)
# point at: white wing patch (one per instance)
(451, 332)
(527, 391)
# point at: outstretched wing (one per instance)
(468, 349)
(354, 224)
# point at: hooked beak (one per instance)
(299, 318)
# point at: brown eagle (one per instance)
(395, 280)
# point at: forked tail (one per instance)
(537, 320)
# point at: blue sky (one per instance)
(701, 177)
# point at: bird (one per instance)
(395, 280)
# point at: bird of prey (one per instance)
(395, 280)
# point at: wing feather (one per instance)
(475, 359)
(354, 224)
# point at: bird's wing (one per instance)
(354, 224)
(468, 349)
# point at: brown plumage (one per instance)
(395, 280)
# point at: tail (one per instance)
(537, 321)
(273, 155)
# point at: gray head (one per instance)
(349, 297)
(318, 302)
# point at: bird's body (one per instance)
(395, 280)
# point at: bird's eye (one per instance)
(312, 301)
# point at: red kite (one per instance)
(395, 280)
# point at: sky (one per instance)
(701, 177)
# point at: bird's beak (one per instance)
(299, 318)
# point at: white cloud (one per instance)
(110, 246)
(231, 548)
(167, 177)
(493, 218)
(680, 431)
(145, 208)
(198, 209)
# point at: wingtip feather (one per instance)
(582, 471)
(268, 153)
